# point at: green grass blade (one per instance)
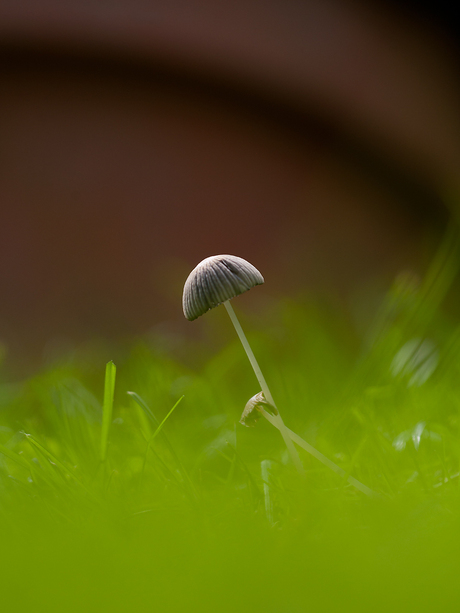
(143, 405)
(265, 467)
(65, 470)
(12, 455)
(158, 430)
(140, 402)
(107, 407)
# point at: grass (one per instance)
(144, 492)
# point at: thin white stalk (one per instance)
(319, 456)
(276, 419)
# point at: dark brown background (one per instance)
(318, 139)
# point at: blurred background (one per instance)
(319, 139)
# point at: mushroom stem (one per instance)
(277, 420)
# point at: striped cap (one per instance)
(215, 280)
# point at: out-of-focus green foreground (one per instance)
(115, 513)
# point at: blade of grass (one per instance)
(141, 402)
(107, 407)
(12, 455)
(159, 426)
(65, 470)
(158, 430)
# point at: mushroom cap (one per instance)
(215, 280)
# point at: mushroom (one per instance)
(251, 413)
(216, 280)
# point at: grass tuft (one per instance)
(194, 512)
